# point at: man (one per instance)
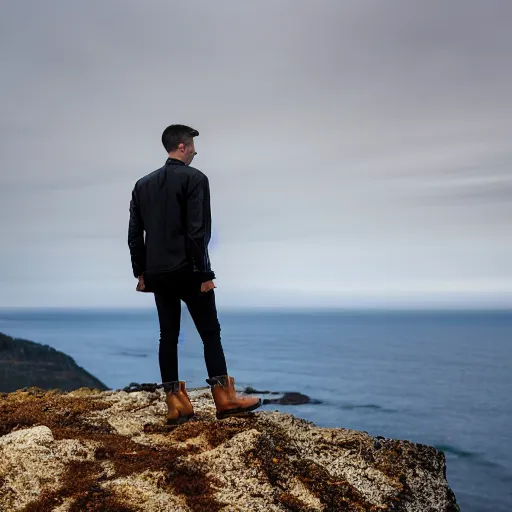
(172, 206)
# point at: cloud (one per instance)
(365, 137)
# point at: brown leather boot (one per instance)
(226, 399)
(179, 408)
(185, 400)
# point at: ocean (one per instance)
(438, 378)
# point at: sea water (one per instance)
(438, 378)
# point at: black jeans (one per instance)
(170, 289)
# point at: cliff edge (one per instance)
(95, 451)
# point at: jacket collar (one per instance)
(174, 161)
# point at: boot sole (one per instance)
(235, 412)
(180, 420)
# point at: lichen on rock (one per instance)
(111, 450)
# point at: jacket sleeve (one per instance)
(136, 237)
(198, 225)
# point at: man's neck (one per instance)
(176, 157)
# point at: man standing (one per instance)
(172, 207)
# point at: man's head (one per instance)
(178, 141)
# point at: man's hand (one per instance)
(140, 285)
(207, 286)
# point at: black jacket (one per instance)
(172, 206)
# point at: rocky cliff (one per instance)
(89, 450)
(26, 363)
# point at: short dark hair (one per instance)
(175, 134)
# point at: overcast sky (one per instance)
(359, 153)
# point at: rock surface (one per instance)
(95, 451)
(25, 363)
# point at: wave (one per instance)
(131, 354)
(375, 407)
(465, 454)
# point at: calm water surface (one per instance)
(439, 378)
